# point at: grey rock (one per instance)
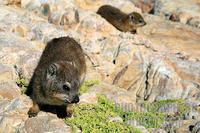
(157, 130)
(195, 22)
(192, 114)
(196, 128)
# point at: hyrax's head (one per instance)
(62, 83)
(135, 20)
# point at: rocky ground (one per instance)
(159, 63)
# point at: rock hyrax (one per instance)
(122, 21)
(58, 76)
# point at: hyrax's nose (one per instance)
(76, 99)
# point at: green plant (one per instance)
(146, 119)
(154, 107)
(152, 118)
(23, 84)
(94, 118)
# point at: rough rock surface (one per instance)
(146, 6)
(184, 11)
(161, 62)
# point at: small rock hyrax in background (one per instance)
(58, 76)
(122, 21)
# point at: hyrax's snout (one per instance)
(75, 99)
(144, 23)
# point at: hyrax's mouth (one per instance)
(62, 97)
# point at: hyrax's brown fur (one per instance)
(122, 21)
(58, 76)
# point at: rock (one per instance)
(14, 118)
(193, 102)
(183, 9)
(125, 5)
(192, 114)
(13, 113)
(44, 123)
(20, 30)
(117, 95)
(9, 90)
(136, 125)
(4, 2)
(7, 73)
(196, 128)
(68, 17)
(88, 98)
(195, 22)
(156, 130)
(163, 69)
(122, 48)
(145, 5)
(71, 16)
(104, 89)
(10, 2)
(180, 126)
(55, 18)
(15, 2)
(30, 4)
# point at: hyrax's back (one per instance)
(63, 49)
(110, 13)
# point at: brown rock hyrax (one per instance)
(122, 21)
(58, 76)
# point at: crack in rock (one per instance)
(146, 95)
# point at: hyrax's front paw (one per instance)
(69, 110)
(33, 111)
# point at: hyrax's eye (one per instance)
(66, 88)
(140, 21)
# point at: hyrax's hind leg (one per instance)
(33, 111)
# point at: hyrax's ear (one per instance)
(52, 69)
(131, 17)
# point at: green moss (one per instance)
(154, 107)
(94, 118)
(146, 119)
(85, 86)
(152, 118)
(23, 84)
